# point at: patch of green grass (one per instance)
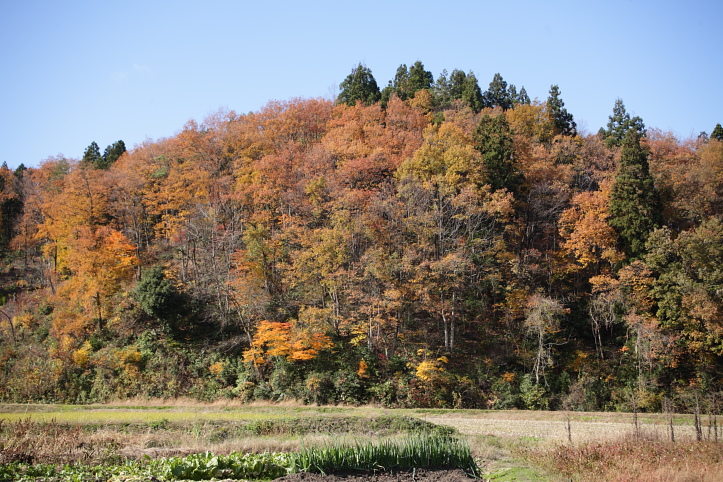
(120, 416)
(158, 424)
(447, 411)
(515, 474)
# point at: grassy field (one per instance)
(507, 445)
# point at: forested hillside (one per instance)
(427, 244)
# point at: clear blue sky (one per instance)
(74, 72)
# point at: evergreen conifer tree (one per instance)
(419, 78)
(493, 139)
(408, 82)
(471, 93)
(635, 209)
(717, 133)
(457, 83)
(563, 120)
(111, 154)
(497, 94)
(513, 94)
(522, 97)
(620, 123)
(91, 156)
(360, 85)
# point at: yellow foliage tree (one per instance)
(99, 262)
(588, 236)
(290, 340)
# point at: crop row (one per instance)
(418, 451)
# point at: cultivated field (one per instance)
(506, 445)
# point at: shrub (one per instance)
(348, 387)
(391, 393)
(319, 388)
(534, 396)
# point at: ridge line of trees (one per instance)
(423, 245)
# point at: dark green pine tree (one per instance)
(620, 123)
(458, 86)
(471, 93)
(20, 171)
(401, 79)
(635, 208)
(441, 90)
(563, 120)
(360, 85)
(91, 156)
(717, 133)
(493, 139)
(512, 89)
(386, 94)
(497, 94)
(419, 78)
(111, 154)
(407, 82)
(160, 299)
(11, 206)
(522, 97)
(456, 83)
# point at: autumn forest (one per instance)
(424, 244)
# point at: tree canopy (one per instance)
(359, 86)
(436, 247)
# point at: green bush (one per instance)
(349, 388)
(534, 396)
(318, 388)
(505, 394)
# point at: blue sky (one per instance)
(80, 71)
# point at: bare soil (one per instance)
(419, 475)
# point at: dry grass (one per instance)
(642, 459)
(604, 446)
(93, 434)
(36, 442)
(583, 427)
(32, 442)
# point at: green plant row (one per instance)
(419, 451)
(205, 466)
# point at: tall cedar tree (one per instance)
(522, 97)
(493, 139)
(360, 85)
(620, 123)
(497, 94)
(92, 156)
(564, 123)
(459, 86)
(472, 94)
(717, 133)
(408, 83)
(635, 208)
(111, 154)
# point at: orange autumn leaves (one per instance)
(308, 220)
(288, 340)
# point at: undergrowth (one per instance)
(633, 459)
(30, 442)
